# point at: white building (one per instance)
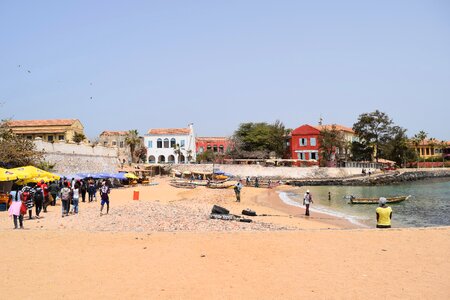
(163, 145)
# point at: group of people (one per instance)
(41, 195)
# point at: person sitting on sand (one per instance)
(384, 214)
(104, 194)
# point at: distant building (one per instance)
(116, 139)
(47, 130)
(304, 142)
(213, 144)
(429, 148)
(163, 143)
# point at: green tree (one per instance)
(132, 140)
(16, 151)
(330, 140)
(374, 129)
(78, 137)
(397, 147)
(432, 143)
(442, 145)
(361, 151)
(418, 140)
(257, 140)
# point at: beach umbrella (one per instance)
(131, 176)
(28, 172)
(7, 175)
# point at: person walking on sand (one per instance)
(17, 209)
(237, 191)
(38, 197)
(384, 214)
(65, 199)
(307, 200)
(83, 190)
(75, 197)
(104, 195)
(54, 191)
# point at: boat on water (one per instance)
(354, 200)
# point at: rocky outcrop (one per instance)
(379, 179)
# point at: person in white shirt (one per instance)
(307, 200)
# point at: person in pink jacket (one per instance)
(14, 209)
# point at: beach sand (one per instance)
(164, 246)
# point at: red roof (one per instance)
(169, 131)
(37, 123)
(109, 133)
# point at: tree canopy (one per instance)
(16, 151)
(373, 129)
(329, 141)
(259, 140)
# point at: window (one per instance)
(208, 148)
(166, 143)
(121, 144)
(312, 141)
(215, 148)
(150, 144)
(61, 137)
(151, 159)
(114, 143)
(159, 143)
(105, 143)
(313, 155)
(29, 137)
(301, 155)
(201, 149)
(221, 149)
(302, 142)
(182, 143)
(172, 143)
(50, 138)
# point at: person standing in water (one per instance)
(384, 214)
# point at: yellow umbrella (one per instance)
(7, 175)
(33, 174)
(131, 176)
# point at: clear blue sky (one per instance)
(150, 64)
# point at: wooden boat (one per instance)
(397, 199)
(220, 186)
(183, 184)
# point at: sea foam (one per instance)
(352, 219)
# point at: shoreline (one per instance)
(162, 246)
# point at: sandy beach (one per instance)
(164, 246)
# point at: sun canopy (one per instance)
(7, 175)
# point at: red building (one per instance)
(214, 144)
(304, 143)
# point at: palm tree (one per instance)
(418, 140)
(132, 140)
(432, 144)
(442, 145)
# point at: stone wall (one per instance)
(73, 158)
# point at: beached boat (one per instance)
(220, 186)
(354, 200)
(183, 184)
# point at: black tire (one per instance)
(219, 210)
(249, 212)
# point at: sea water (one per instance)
(429, 204)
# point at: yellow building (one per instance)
(47, 130)
(430, 148)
